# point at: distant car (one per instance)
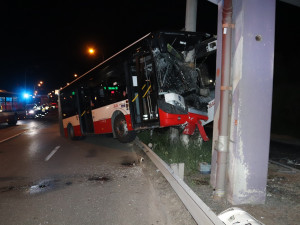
(54, 105)
(40, 111)
(30, 111)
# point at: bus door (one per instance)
(85, 110)
(143, 87)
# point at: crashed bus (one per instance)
(147, 85)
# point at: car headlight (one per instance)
(31, 111)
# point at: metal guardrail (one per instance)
(201, 213)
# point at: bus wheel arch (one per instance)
(120, 130)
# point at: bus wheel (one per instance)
(71, 134)
(121, 130)
(13, 121)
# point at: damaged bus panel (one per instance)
(149, 84)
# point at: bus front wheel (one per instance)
(121, 130)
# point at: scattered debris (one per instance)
(98, 178)
(204, 168)
(199, 181)
(8, 188)
(129, 164)
(236, 215)
(141, 159)
(43, 186)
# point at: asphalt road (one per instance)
(48, 179)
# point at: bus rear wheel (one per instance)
(121, 130)
(13, 121)
(71, 134)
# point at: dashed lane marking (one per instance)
(52, 153)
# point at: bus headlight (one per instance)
(175, 99)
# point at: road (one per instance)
(48, 179)
(285, 152)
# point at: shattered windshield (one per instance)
(177, 75)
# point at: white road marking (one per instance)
(52, 153)
(6, 139)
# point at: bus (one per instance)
(11, 107)
(146, 85)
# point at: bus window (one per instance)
(2, 104)
(68, 104)
(9, 103)
(110, 88)
(15, 103)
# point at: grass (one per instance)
(176, 152)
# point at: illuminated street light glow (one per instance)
(75, 75)
(91, 51)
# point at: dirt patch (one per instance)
(282, 204)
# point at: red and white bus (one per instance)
(11, 107)
(146, 85)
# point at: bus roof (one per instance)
(4, 93)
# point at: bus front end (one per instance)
(185, 87)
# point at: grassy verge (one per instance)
(191, 156)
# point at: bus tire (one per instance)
(121, 131)
(71, 133)
(13, 121)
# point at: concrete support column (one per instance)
(190, 25)
(252, 81)
(191, 15)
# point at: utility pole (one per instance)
(190, 25)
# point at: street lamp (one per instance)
(75, 75)
(91, 51)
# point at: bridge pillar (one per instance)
(250, 113)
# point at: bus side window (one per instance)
(68, 105)
(98, 96)
(8, 103)
(2, 104)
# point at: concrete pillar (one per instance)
(250, 120)
(191, 24)
(191, 15)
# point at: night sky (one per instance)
(48, 41)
